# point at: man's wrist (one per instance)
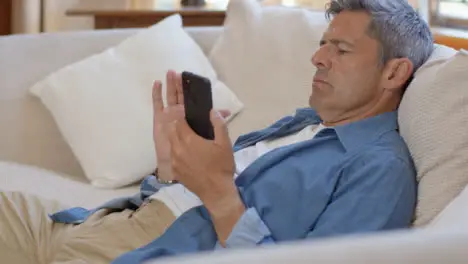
(225, 212)
(225, 203)
(164, 174)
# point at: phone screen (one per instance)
(198, 103)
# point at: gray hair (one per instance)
(400, 30)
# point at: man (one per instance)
(339, 167)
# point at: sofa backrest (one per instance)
(28, 133)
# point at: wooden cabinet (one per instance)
(143, 13)
(122, 20)
(5, 17)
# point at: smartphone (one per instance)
(198, 103)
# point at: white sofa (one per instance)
(36, 159)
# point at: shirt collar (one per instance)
(356, 134)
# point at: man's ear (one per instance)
(396, 73)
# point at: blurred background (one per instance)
(35, 16)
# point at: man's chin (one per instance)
(313, 101)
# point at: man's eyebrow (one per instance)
(337, 42)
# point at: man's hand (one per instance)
(164, 118)
(206, 167)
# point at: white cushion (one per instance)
(53, 186)
(102, 104)
(264, 55)
(433, 118)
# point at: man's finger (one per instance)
(171, 91)
(158, 104)
(177, 112)
(224, 113)
(220, 129)
(180, 91)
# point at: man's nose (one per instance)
(321, 58)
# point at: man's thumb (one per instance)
(221, 133)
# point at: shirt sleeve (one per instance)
(373, 194)
(249, 231)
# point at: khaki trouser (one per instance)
(28, 236)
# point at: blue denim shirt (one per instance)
(349, 179)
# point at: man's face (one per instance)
(348, 68)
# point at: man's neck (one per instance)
(365, 112)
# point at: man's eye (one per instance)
(341, 52)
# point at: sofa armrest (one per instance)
(404, 247)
